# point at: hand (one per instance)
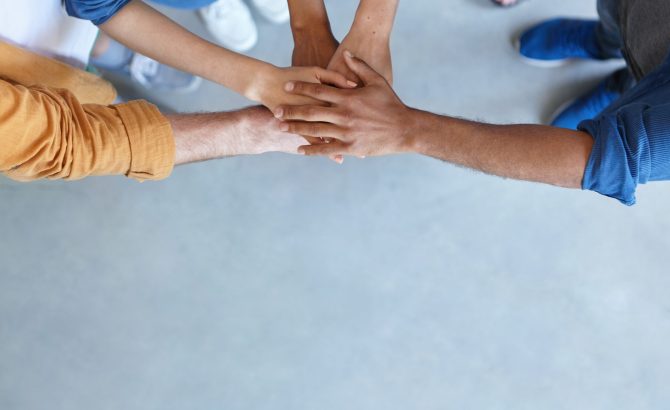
(259, 133)
(268, 87)
(314, 48)
(367, 121)
(368, 45)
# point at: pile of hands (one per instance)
(338, 96)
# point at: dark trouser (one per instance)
(637, 30)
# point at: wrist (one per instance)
(308, 16)
(312, 32)
(312, 24)
(416, 131)
(257, 81)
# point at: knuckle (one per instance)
(317, 89)
(347, 118)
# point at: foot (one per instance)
(231, 24)
(588, 106)
(156, 76)
(506, 3)
(555, 41)
(116, 58)
(274, 10)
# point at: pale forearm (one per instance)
(150, 33)
(527, 152)
(375, 17)
(250, 131)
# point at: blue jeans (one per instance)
(185, 4)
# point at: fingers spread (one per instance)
(319, 92)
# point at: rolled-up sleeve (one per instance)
(47, 133)
(631, 147)
(97, 11)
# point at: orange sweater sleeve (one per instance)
(47, 133)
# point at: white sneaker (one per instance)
(231, 24)
(156, 76)
(274, 10)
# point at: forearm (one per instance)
(527, 152)
(150, 33)
(375, 18)
(307, 15)
(250, 131)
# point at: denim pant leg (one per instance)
(185, 4)
(608, 32)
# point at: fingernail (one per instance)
(279, 112)
(352, 84)
(301, 151)
(348, 53)
(283, 126)
(289, 86)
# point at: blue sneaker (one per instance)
(588, 106)
(556, 41)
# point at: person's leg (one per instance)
(185, 4)
(646, 34)
(228, 21)
(111, 56)
(506, 3)
(559, 39)
(589, 105)
(608, 30)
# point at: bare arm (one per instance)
(314, 43)
(373, 121)
(250, 131)
(149, 32)
(527, 152)
(369, 38)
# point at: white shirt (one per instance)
(44, 27)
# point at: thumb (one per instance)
(361, 69)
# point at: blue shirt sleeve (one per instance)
(631, 146)
(97, 11)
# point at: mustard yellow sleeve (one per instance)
(47, 133)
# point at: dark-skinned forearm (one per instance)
(527, 152)
(307, 15)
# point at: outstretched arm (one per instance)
(373, 121)
(149, 32)
(49, 133)
(250, 131)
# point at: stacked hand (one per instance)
(320, 48)
(315, 45)
(366, 121)
(268, 87)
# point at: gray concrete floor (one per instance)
(279, 282)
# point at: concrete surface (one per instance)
(278, 282)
